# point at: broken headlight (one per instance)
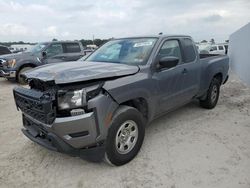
(71, 99)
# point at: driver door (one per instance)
(169, 81)
(54, 53)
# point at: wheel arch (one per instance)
(219, 76)
(27, 65)
(23, 66)
(139, 103)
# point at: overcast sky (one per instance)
(41, 20)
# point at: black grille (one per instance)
(38, 128)
(36, 104)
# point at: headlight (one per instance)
(71, 99)
(11, 63)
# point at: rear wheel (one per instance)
(20, 79)
(212, 95)
(125, 136)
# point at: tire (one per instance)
(213, 94)
(125, 136)
(21, 80)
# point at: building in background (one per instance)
(239, 53)
(91, 46)
(20, 47)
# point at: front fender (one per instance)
(104, 107)
(130, 88)
(24, 63)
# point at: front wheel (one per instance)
(213, 94)
(20, 79)
(125, 136)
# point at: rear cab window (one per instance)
(189, 50)
(71, 48)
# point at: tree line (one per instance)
(84, 42)
(212, 41)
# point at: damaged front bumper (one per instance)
(72, 135)
(94, 154)
(82, 135)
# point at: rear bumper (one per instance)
(8, 74)
(72, 135)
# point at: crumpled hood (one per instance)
(78, 71)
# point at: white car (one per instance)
(218, 49)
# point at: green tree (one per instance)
(203, 41)
(212, 41)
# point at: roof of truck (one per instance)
(155, 36)
(61, 41)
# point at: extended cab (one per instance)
(98, 108)
(13, 65)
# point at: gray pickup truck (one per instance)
(13, 65)
(98, 108)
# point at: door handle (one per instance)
(185, 71)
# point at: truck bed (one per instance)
(202, 56)
(212, 64)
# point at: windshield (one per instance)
(38, 47)
(133, 51)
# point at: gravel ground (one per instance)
(191, 147)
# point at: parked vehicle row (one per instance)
(13, 65)
(98, 108)
(219, 49)
(4, 50)
(16, 48)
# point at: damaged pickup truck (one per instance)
(98, 108)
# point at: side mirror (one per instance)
(168, 62)
(44, 54)
(211, 50)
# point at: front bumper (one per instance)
(76, 135)
(73, 136)
(8, 74)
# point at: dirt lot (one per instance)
(191, 147)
